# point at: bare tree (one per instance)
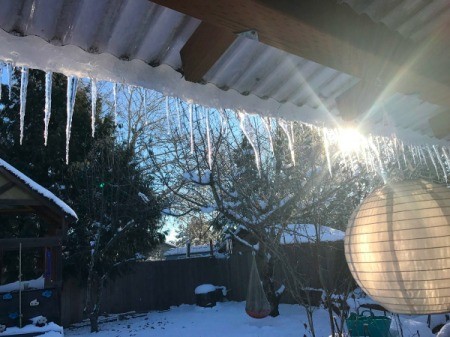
(262, 175)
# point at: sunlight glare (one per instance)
(350, 140)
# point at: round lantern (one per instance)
(397, 246)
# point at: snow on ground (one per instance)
(228, 319)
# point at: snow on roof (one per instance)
(194, 250)
(39, 189)
(303, 233)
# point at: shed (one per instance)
(24, 299)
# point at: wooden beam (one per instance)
(6, 187)
(440, 124)
(19, 202)
(203, 49)
(333, 35)
(13, 243)
(40, 199)
(358, 99)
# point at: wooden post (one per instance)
(188, 249)
(211, 249)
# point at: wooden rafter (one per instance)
(333, 35)
(203, 49)
(13, 243)
(440, 124)
(6, 187)
(358, 99)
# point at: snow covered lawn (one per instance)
(229, 319)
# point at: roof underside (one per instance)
(21, 195)
(139, 42)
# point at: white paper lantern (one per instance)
(397, 246)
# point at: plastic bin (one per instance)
(368, 325)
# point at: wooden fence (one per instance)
(158, 285)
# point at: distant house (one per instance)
(159, 252)
(292, 234)
(190, 252)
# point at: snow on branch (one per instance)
(254, 247)
(204, 179)
(144, 198)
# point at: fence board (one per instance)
(157, 285)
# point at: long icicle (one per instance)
(115, 102)
(327, 149)
(23, 99)
(93, 104)
(9, 73)
(177, 105)
(285, 128)
(267, 125)
(1, 76)
(72, 83)
(441, 163)
(242, 117)
(191, 126)
(168, 115)
(432, 160)
(145, 107)
(208, 138)
(447, 159)
(48, 103)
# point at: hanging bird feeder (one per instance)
(257, 305)
(397, 246)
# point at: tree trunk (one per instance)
(269, 286)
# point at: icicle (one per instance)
(396, 153)
(48, 103)
(266, 122)
(423, 156)
(447, 159)
(432, 160)
(413, 154)
(93, 104)
(419, 155)
(327, 150)
(436, 151)
(72, 83)
(177, 105)
(145, 107)
(242, 124)
(191, 126)
(223, 117)
(115, 102)
(208, 138)
(376, 152)
(402, 148)
(23, 99)
(168, 115)
(1, 76)
(9, 73)
(285, 128)
(293, 135)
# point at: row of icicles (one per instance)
(372, 151)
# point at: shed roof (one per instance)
(20, 194)
(380, 64)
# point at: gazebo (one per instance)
(24, 299)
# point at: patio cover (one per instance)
(382, 65)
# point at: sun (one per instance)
(350, 140)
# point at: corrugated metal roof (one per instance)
(268, 80)
(414, 19)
